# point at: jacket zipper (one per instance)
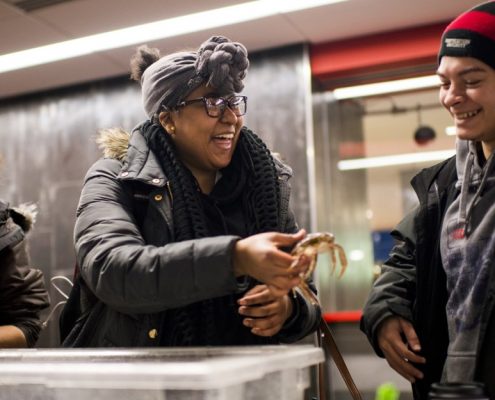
(169, 190)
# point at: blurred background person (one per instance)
(22, 290)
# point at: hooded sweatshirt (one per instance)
(467, 248)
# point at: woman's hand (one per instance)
(260, 257)
(400, 353)
(265, 313)
(12, 337)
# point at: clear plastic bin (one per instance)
(206, 373)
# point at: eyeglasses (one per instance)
(215, 106)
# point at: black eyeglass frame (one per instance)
(230, 102)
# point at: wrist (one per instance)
(288, 305)
(237, 264)
(292, 310)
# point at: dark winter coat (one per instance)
(132, 268)
(413, 282)
(22, 289)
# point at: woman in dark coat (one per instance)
(182, 229)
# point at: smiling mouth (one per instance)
(468, 114)
(225, 136)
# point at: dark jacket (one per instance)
(22, 290)
(130, 264)
(413, 282)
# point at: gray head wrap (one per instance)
(218, 63)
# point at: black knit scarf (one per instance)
(254, 165)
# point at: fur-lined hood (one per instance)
(114, 143)
(24, 215)
(15, 222)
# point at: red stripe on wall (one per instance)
(343, 316)
(404, 47)
(476, 21)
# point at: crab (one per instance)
(312, 245)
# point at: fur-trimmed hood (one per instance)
(114, 143)
(24, 215)
(15, 222)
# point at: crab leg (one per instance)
(333, 259)
(310, 247)
(307, 293)
(343, 259)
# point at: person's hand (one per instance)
(400, 353)
(265, 313)
(260, 257)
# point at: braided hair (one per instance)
(166, 81)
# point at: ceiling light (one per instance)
(155, 30)
(356, 255)
(397, 159)
(374, 89)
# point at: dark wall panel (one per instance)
(47, 146)
(278, 97)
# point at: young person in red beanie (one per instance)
(431, 312)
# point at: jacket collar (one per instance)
(443, 173)
(141, 163)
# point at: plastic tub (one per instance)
(209, 373)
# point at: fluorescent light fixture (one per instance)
(155, 30)
(397, 159)
(356, 255)
(451, 131)
(374, 89)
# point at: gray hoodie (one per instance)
(467, 249)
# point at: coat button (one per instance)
(125, 173)
(153, 333)
(155, 180)
(158, 197)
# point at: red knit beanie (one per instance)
(471, 34)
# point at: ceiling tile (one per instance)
(80, 19)
(350, 19)
(22, 32)
(8, 11)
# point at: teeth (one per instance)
(227, 136)
(467, 114)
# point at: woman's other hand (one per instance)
(260, 256)
(265, 313)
